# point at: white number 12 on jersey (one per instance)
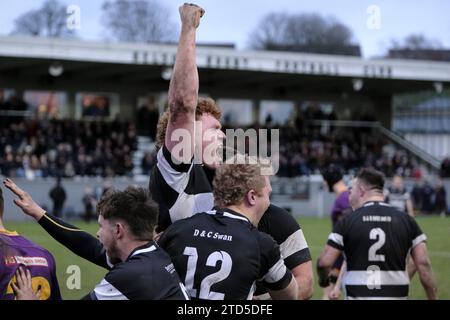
(208, 281)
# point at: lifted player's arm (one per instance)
(184, 85)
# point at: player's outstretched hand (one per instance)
(23, 288)
(190, 15)
(24, 202)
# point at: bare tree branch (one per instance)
(269, 31)
(48, 21)
(418, 46)
(138, 21)
(416, 42)
(303, 32)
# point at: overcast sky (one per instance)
(232, 21)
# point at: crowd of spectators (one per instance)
(306, 149)
(66, 148)
(428, 198)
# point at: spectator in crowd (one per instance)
(90, 203)
(2, 99)
(3, 118)
(416, 173)
(440, 199)
(148, 161)
(58, 196)
(445, 167)
(95, 106)
(427, 198)
(147, 118)
(398, 197)
(269, 120)
(417, 195)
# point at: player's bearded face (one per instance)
(212, 141)
(106, 236)
(113, 253)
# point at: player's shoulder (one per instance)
(265, 240)
(278, 223)
(21, 241)
(199, 217)
(353, 217)
(179, 226)
(140, 260)
(274, 210)
(279, 216)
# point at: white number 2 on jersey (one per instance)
(208, 281)
(379, 235)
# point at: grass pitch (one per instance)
(316, 232)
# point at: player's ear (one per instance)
(359, 190)
(251, 197)
(119, 230)
(362, 190)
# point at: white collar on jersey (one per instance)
(144, 250)
(231, 214)
(371, 203)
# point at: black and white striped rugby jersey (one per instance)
(180, 190)
(220, 255)
(288, 234)
(147, 274)
(376, 240)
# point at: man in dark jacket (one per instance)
(58, 196)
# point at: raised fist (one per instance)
(190, 15)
